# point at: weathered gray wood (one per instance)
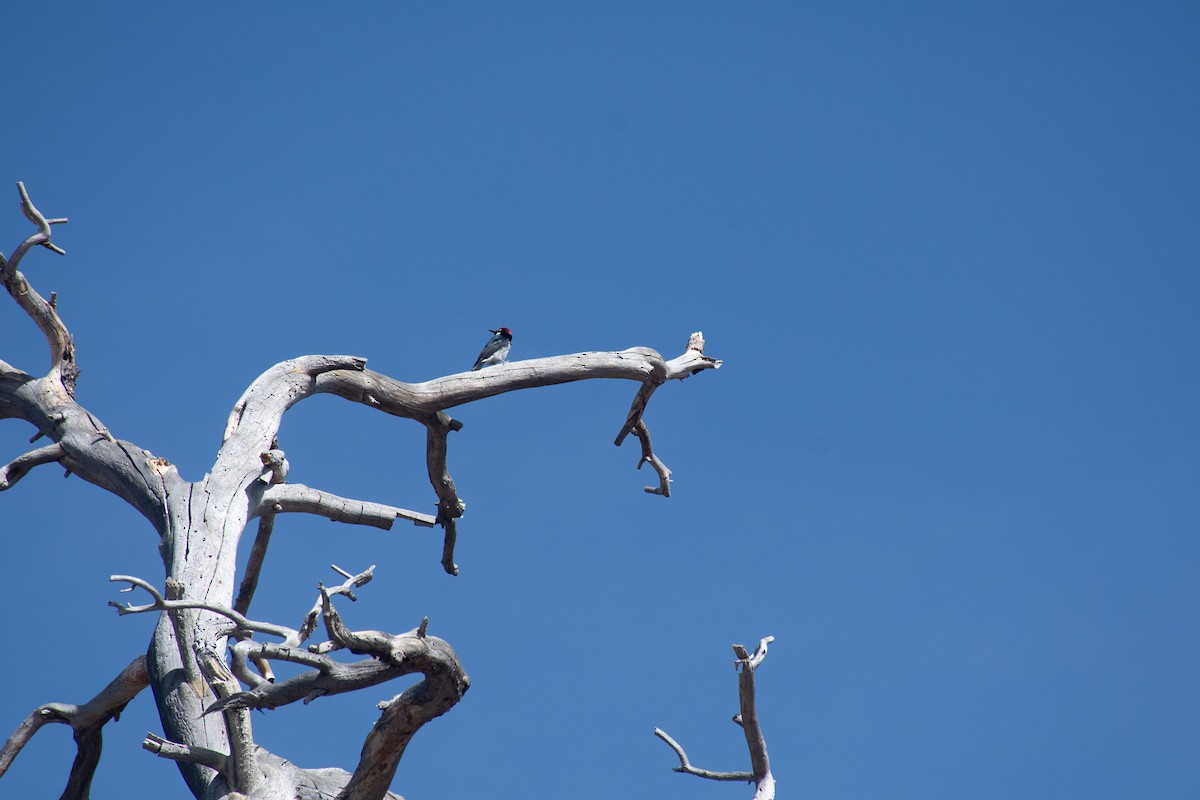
(747, 718)
(199, 525)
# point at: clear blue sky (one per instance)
(948, 252)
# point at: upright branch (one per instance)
(760, 773)
(43, 312)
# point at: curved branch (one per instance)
(246, 650)
(88, 449)
(422, 399)
(648, 457)
(19, 467)
(444, 685)
(391, 656)
(86, 721)
(257, 413)
(690, 363)
(162, 604)
(256, 417)
(43, 235)
(686, 766)
(327, 676)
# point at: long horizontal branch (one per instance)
(296, 497)
(255, 419)
(420, 399)
(257, 414)
(347, 377)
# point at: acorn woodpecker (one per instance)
(496, 350)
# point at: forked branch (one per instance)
(648, 457)
(748, 720)
(87, 722)
(41, 311)
(255, 419)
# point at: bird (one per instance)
(496, 350)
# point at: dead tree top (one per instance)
(204, 702)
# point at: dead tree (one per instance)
(208, 663)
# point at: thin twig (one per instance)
(162, 604)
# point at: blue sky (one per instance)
(947, 251)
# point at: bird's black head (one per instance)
(503, 331)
